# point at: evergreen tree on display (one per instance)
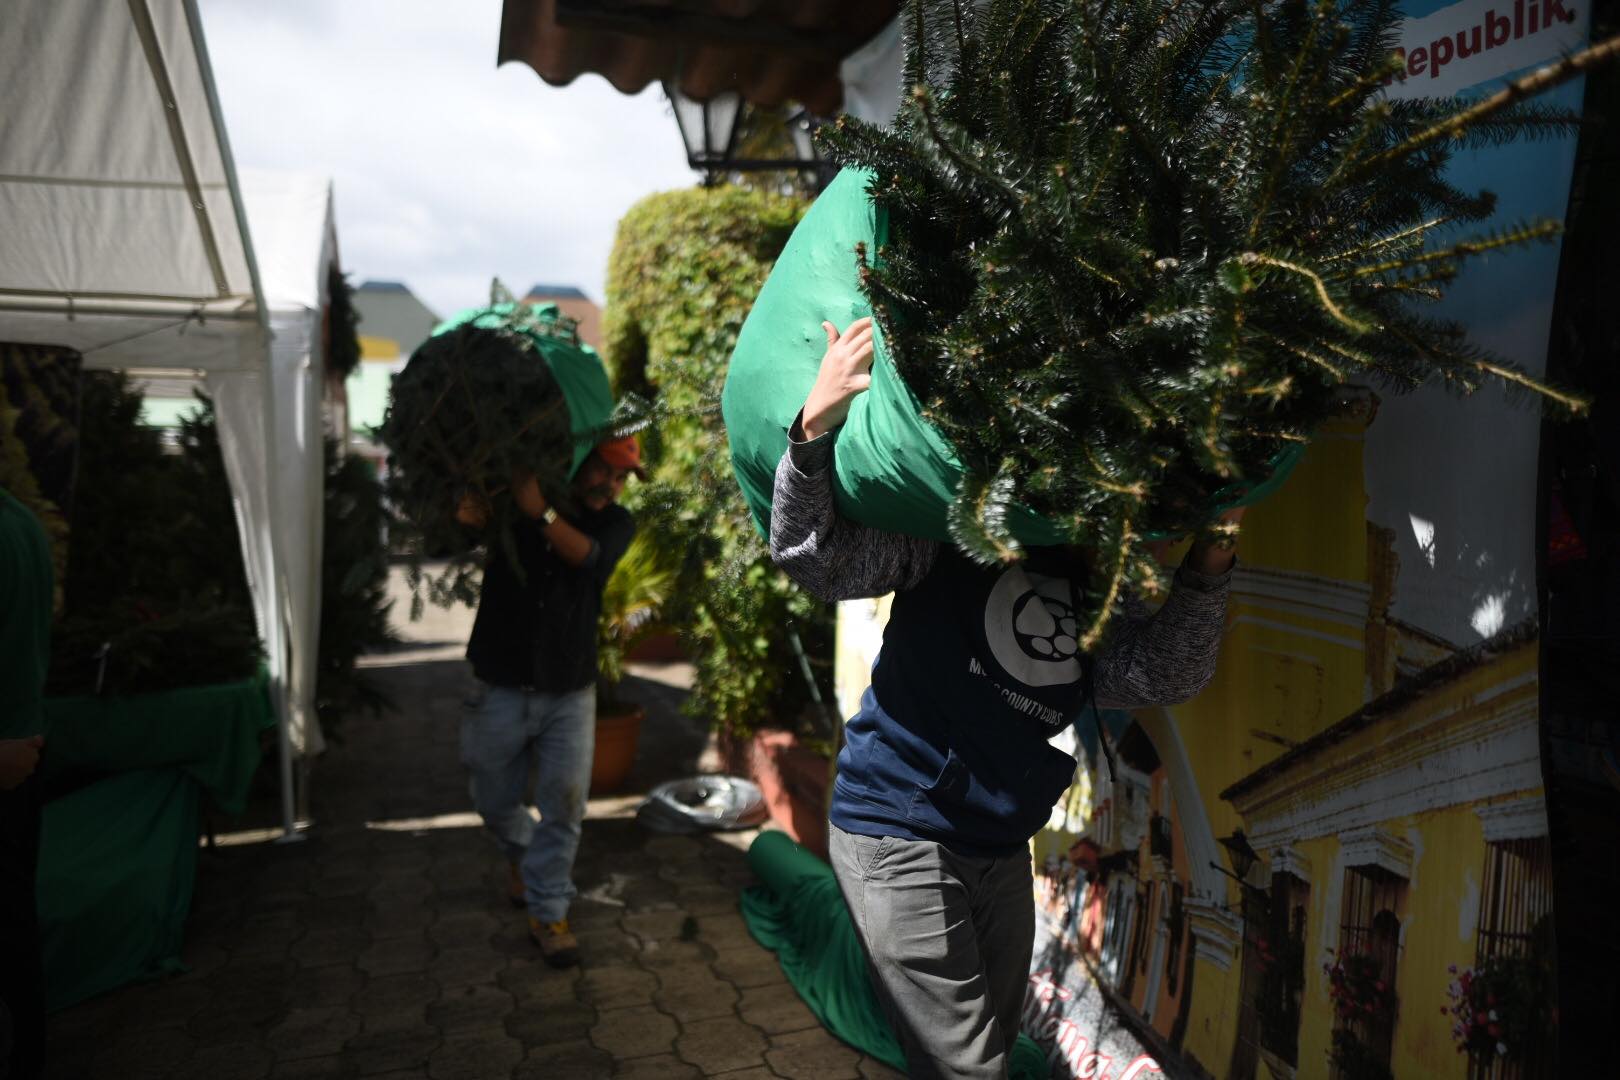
(1137, 247)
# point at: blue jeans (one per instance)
(499, 739)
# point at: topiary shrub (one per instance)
(342, 329)
(685, 268)
(355, 606)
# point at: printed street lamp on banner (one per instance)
(1242, 855)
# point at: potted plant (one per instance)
(634, 595)
(756, 641)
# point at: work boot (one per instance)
(514, 884)
(557, 945)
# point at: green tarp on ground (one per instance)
(118, 856)
(799, 914)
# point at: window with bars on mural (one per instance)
(1144, 932)
(1178, 930)
(1120, 899)
(1282, 962)
(1515, 943)
(1362, 978)
(1136, 955)
(1159, 837)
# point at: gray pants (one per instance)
(948, 938)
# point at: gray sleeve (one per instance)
(831, 557)
(1169, 656)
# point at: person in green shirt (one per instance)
(25, 627)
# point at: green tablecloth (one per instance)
(118, 857)
(799, 914)
(117, 863)
(211, 733)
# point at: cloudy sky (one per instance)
(446, 171)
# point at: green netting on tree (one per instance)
(496, 389)
(1134, 252)
(574, 365)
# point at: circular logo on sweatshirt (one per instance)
(1033, 629)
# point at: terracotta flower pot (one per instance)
(618, 729)
(657, 648)
(793, 779)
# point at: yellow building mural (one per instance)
(1371, 781)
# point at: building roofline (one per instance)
(1430, 678)
(556, 292)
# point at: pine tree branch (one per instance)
(1536, 82)
(1575, 404)
(1466, 248)
(1414, 234)
(1285, 120)
(1116, 581)
(1316, 281)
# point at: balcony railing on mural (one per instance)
(1363, 974)
(1514, 945)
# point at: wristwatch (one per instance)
(547, 516)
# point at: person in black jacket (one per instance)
(533, 647)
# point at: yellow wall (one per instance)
(378, 348)
(1284, 671)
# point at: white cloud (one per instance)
(446, 170)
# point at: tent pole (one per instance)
(274, 627)
(289, 820)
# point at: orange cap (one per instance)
(623, 453)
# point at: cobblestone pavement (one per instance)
(382, 945)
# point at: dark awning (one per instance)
(772, 51)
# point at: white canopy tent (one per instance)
(129, 237)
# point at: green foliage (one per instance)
(1505, 1007)
(354, 589)
(155, 596)
(39, 405)
(1138, 247)
(127, 648)
(685, 269)
(342, 326)
(632, 601)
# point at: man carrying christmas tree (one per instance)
(946, 772)
(533, 646)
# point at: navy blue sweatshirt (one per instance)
(979, 667)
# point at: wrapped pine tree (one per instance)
(496, 391)
(1126, 254)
